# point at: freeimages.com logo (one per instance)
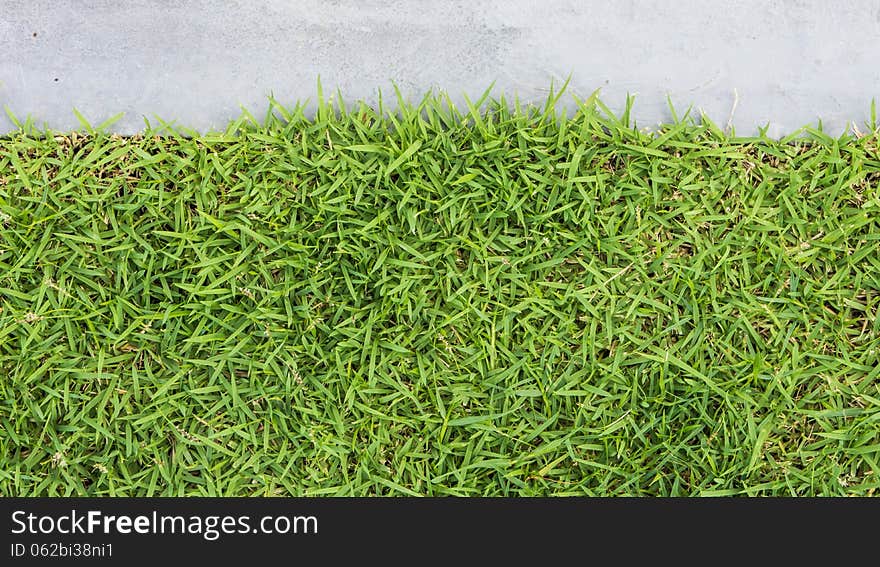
(209, 527)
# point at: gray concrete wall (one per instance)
(196, 61)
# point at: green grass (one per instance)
(440, 302)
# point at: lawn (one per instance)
(440, 301)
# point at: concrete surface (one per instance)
(196, 61)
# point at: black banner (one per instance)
(103, 530)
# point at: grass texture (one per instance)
(431, 301)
